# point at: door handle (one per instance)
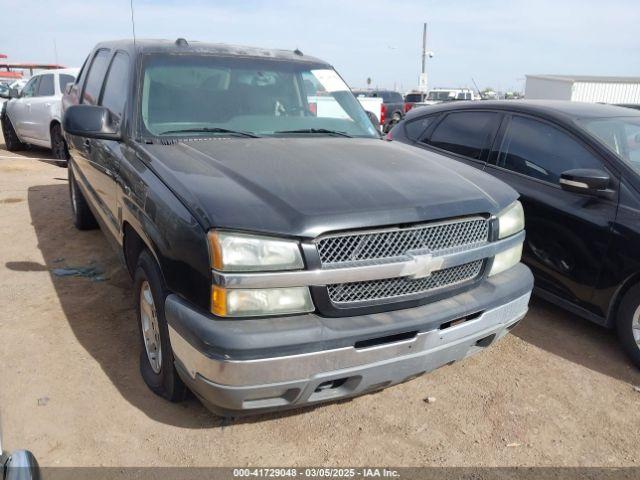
(48, 104)
(87, 144)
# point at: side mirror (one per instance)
(13, 93)
(91, 121)
(584, 180)
(68, 87)
(373, 118)
(20, 465)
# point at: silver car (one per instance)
(34, 116)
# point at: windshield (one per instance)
(209, 95)
(620, 134)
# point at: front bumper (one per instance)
(249, 366)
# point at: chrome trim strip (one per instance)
(305, 366)
(414, 265)
(418, 226)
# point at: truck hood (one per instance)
(307, 186)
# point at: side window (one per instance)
(542, 151)
(64, 79)
(46, 88)
(415, 128)
(81, 73)
(465, 133)
(115, 86)
(95, 77)
(29, 89)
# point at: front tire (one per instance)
(83, 217)
(156, 357)
(11, 139)
(628, 323)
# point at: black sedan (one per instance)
(577, 169)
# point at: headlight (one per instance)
(505, 260)
(239, 252)
(511, 220)
(256, 302)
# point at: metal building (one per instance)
(583, 88)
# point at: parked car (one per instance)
(577, 169)
(282, 257)
(391, 109)
(33, 117)
(439, 95)
(412, 98)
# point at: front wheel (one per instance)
(156, 357)
(11, 139)
(628, 323)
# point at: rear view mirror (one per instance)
(584, 180)
(91, 121)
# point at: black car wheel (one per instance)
(156, 357)
(58, 145)
(11, 139)
(83, 217)
(628, 323)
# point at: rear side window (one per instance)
(95, 77)
(415, 128)
(45, 88)
(542, 151)
(465, 133)
(64, 79)
(115, 87)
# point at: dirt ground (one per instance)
(557, 391)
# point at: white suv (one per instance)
(33, 116)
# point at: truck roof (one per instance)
(181, 46)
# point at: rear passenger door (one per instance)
(466, 135)
(95, 173)
(567, 233)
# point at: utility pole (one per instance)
(424, 47)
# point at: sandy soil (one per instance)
(557, 391)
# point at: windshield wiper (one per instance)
(212, 130)
(317, 130)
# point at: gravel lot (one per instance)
(557, 391)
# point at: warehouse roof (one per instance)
(587, 78)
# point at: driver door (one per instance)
(21, 109)
(567, 232)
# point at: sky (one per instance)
(494, 42)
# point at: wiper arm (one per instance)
(212, 130)
(316, 130)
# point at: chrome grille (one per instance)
(394, 288)
(393, 243)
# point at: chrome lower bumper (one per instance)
(294, 380)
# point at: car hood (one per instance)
(307, 186)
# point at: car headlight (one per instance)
(506, 259)
(511, 220)
(243, 302)
(240, 252)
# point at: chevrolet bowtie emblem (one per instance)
(423, 265)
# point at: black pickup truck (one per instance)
(282, 253)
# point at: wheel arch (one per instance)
(622, 290)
